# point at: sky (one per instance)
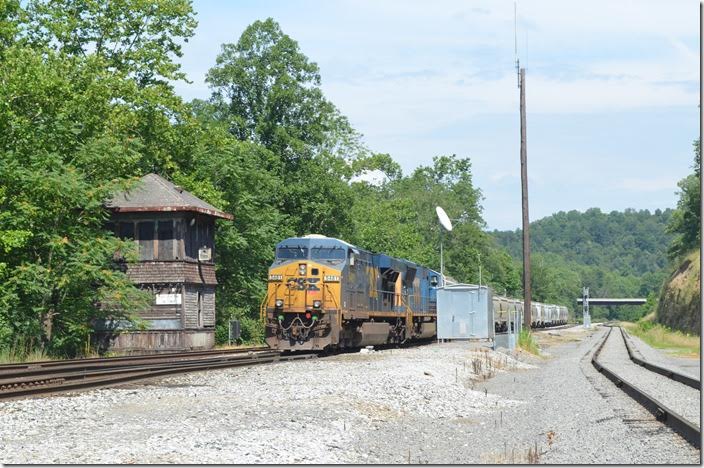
(612, 89)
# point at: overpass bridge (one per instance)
(605, 301)
(586, 301)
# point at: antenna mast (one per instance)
(515, 43)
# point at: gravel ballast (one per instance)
(684, 365)
(678, 397)
(424, 404)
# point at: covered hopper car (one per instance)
(542, 315)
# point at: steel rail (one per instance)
(118, 363)
(662, 413)
(136, 357)
(89, 380)
(79, 373)
(672, 374)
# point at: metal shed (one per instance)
(465, 312)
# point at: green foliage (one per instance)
(398, 217)
(251, 329)
(134, 37)
(81, 114)
(686, 219)
(619, 254)
(662, 337)
(526, 341)
(679, 303)
(266, 90)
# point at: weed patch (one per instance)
(527, 342)
(662, 337)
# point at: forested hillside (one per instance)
(614, 254)
(679, 304)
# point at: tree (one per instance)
(78, 120)
(398, 217)
(137, 37)
(686, 219)
(269, 92)
(266, 91)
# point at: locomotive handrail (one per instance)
(339, 311)
(409, 315)
(262, 306)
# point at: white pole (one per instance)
(480, 268)
(442, 266)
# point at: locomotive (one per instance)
(324, 293)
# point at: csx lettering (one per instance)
(301, 284)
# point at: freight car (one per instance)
(542, 315)
(324, 293)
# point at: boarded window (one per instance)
(178, 239)
(192, 240)
(166, 240)
(205, 238)
(200, 309)
(126, 231)
(146, 240)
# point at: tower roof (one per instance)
(155, 194)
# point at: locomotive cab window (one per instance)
(289, 252)
(328, 253)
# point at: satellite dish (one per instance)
(444, 219)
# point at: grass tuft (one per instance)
(526, 341)
(662, 337)
(12, 355)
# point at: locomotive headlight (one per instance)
(302, 269)
(317, 304)
(279, 303)
(331, 278)
(276, 277)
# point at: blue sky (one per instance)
(612, 89)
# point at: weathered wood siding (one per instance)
(191, 306)
(172, 272)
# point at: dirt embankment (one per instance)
(679, 307)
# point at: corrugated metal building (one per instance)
(465, 312)
(175, 232)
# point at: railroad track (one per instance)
(556, 327)
(670, 396)
(118, 359)
(49, 377)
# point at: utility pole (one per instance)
(524, 200)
